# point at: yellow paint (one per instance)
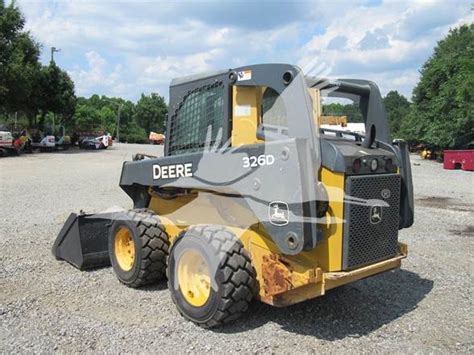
(334, 120)
(258, 244)
(307, 279)
(244, 127)
(194, 278)
(315, 96)
(172, 212)
(331, 280)
(206, 208)
(329, 252)
(124, 248)
(307, 275)
(336, 279)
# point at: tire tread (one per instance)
(239, 283)
(154, 247)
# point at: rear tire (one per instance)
(229, 271)
(138, 248)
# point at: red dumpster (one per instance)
(459, 159)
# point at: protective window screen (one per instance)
(201, 110)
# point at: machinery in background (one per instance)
(46, 143)
(7, 145)
(459, 159)
(95, 143)
(63, 141)
(156, 138)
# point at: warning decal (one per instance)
(244, 75)
(242, 110)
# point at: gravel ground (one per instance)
(47, 305)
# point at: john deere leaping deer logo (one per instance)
(278, 213)
(375, 214)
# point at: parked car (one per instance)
(101, 142)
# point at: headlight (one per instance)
(374, 164)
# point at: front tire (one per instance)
(138, 248)
(210, 276)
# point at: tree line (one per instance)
(133, 120)
(441, 111)
(34, 95)
(27, 87)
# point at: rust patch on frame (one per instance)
(276, 275)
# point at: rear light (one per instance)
(51, 140)
(356, 166)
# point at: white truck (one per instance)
(6, 143)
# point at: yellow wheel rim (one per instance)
(124, 248)
(193, 278)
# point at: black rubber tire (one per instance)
(151, 248)
(234, 276)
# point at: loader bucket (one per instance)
(83, 241)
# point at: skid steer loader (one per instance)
(252, 199)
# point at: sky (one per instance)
(125, 48)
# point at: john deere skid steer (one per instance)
(252, 198)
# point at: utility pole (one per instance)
(54, 49)
(118, 123)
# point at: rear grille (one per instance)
(367, 238)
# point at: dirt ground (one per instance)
(46, 305)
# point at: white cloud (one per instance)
(161, 70)
(98, 75)
(123, 48)
(387, 44)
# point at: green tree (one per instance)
(56, 93)
(86, 117)
(27, 87)
(99, 113)
(19, 65)
(443, 107)
(398, 108)
(132, 133)
(150, 112)
(352, 111)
